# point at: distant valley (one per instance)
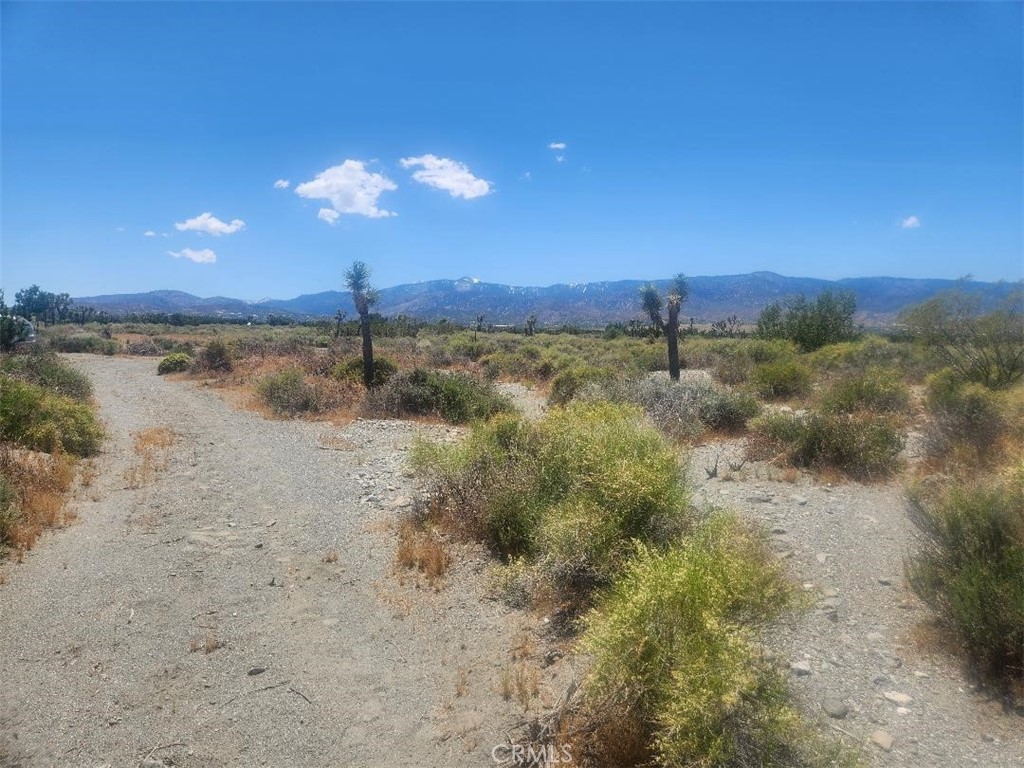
(879, 300)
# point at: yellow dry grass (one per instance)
(40, 482)
(151, 449)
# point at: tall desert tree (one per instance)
(653, 303)
(364, 296)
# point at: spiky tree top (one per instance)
(364, 295)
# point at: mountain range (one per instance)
(879, 299)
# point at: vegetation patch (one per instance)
(32, 490)
(287, 393)
(215, 357)
(455, 397)
(872, 390)
(780, 379)
(971, 567)
(351, 370)
(36, 418)
(862, 445)
(96, 345)
(176, 362)
(44, 368)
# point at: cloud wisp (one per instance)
(207, 223)
(557, 145)
(449, 175)
(282, 184)
(911, 222)
(202, 256)
(350, 188)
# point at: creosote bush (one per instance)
(861, 445)
(964, 416)
(94, 344)
(216, 356)
(42, 367)
(872, 390)
(786, 377)
(287, 393)
(568, 493)
(676, 660)
(971, 567)
(176, 362)
(455, 397)
(36, 418)
(352, 370)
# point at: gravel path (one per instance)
(860, 661)
(106, 625)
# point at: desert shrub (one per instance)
(570, 382)
(176, 362)
(351, 370)
(862, 444)
(781, 379)
(9, 513)
(568, 493)
(287, 393)
(675, 652)
(41, 420)
(984, 348)
(464, 346)
(42, 367)
(682, 410)
(91, 344)
(962, 414)
(872, 351)
(970, 568)
(871, 390)
(456, 397)
(144, 348)
(215, 356)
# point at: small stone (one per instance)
(402, 502)
(778, 531)
(799, 500)
(260, 545)
(919, 673)
(256, 671)
(883, 739)
(821, 557)
(800, 668)
(885, 581)
(835, 708)
(902, 711)
(897, 698)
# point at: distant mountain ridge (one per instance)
(879, 299)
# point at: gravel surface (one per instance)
(228, 548)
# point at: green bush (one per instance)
(570, 382)
(176, 362)
(781, 379)
(287, 393)
(971, 567)
(568, 493)
(455, 397)
(351, 370)
(215, 356)
(962, 414)
(675, 651)
(9, 512)
(810, 324)
(863, 444)
(873, 390)
(91, 344)
(41, 420)
(44, 368)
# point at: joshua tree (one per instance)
(531, 324)
(653, 302)
(364, 296)
(479, 325)
(339, 318)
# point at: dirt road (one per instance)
(199, 618)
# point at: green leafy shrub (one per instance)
(872, 390)
(568, 493)
(675, 651)
(455, 397)
(215, 356)
(971, 567)
(352, 370)
(176, 362)
(810, 324)
(42, 367)
(287, 393)
(570, 382)
(781, 379)
(862, 444)
(963, 414)
(41, 420)
(90, 344)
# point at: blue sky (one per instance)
(812, 139)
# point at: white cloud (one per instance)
(164, 234)
(350, 188)
(211, 225)
(911, 222)
(557, 145)
(149, 233)
(204, 256)
(329, 215)
(282, 184)
(559, 158)
(450, 175)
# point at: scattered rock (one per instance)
(799, 500)
(800, 668)
(897, 698)
(834, 707)
(883, 739)
(885, 581)
(402, 502)
(821, 557)
(256, 671)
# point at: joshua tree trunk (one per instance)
(364, 327)
(672, 332)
